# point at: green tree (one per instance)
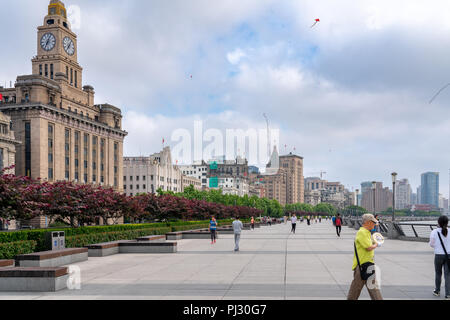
(325, 208)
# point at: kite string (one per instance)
(435, 96)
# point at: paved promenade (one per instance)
(272, 264)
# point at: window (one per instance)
(94, 178)
(124, 178)
(71, 76)
(51, 71)
(67, 72)
(46, 70)
(137, 178)
(40, 69)
(51, 130)
(1, 159)
(143, 187)
(137, 187)
(125, 187)
(76, 79)
(131, 187)
(143, 178)
(131, 178)
(28, 149)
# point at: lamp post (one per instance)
(374, 186)
(357, 194)
(394, 178)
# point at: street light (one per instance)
(374, 186)
(394, 178)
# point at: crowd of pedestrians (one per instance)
(364, 246)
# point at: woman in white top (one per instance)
(440, 256)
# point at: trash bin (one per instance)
(55, 240)
(62, 240)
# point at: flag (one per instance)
(1, 97)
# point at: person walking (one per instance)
(338, 224)
(237, 228)
(269, 221)
(252, 222)
(213, 229)
(308, 220)
(293, 222)
(440, 241)
(363, 261)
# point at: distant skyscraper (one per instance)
(430, 189)
(413, 198)
(419, 195)
(402, 194)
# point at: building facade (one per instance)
(429, 189)
(63, 134)
(383, 198)
(198, 170)
(295, 182)
(8, 144)
(231, 176)
(402, 194)
(148, 174)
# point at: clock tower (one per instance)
(57, 47)
(64, 134)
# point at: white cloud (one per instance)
(236, 56)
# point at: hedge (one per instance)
(11, 249)
(80, 241)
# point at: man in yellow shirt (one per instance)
(365, 248)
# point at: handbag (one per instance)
(363, 268)
(446, 254)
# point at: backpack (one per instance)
(338, 222)
(334, 221)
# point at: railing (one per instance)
(404, 229)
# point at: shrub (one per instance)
(80, 241)
(11, 249)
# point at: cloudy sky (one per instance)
(351, 94)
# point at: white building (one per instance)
(148, 174)
(197, 170)
(402, 194)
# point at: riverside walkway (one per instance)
(272, 264)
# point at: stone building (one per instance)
(293, 166)
(231, 176)
(148, 174)
(8, 144)
(197, 170)
(64, 134)
(187, 181)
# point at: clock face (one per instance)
(68, 45)
(48, 41)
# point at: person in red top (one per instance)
(338, 224)
(253, 223)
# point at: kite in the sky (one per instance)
(316, 22)
(435, 96)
